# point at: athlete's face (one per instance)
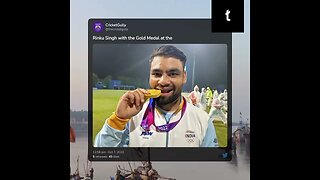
(167, 74)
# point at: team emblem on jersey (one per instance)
(190, 136)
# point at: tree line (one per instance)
(125, 80)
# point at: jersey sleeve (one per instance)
(110, 137)
(210, 138)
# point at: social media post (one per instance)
(155, 96)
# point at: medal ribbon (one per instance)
(148, 117)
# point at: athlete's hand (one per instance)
(131, 103)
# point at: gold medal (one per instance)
(153, 93)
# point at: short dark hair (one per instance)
(169, 51)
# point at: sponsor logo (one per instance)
(146, 133)
(215, 140)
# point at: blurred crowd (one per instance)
(211, 101)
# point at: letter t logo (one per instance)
(227, 15)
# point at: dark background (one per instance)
(132, 61)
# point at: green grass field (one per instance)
(221, 131)
(105, 102)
